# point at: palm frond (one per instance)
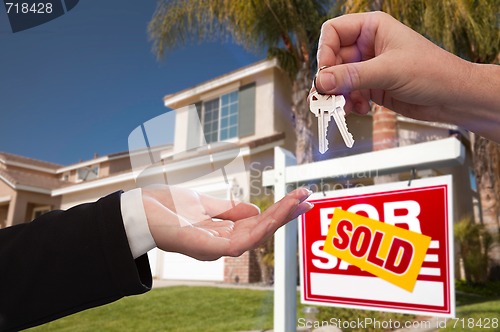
(286, 60)
(254, 24)
(468, 28)
(176, 23)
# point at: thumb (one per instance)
(344, 78)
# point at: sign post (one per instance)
(285, 254)
(425, 208)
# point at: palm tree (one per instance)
(468, 28)
(288, 29)
(487, 169)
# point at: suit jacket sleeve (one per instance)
(67, 261)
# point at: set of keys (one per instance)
(326, 107)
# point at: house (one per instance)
(30, 187)
(25, 188)
(225, 133)
(244, 115)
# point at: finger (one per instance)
(228, 209)
(242, 210)
(266, 228)
(342, 79)
(301, 209)
(280, 213)
(342, 37)
(261, 227)
(339, 32)
(275, 220)
(348, 54)
(358, 102)
(222, 227)
(296, 196)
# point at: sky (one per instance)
(78, 85)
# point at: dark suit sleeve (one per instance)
(67, 261)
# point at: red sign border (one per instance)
(447, 310)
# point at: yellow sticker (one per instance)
(389, 252)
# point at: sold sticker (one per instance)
(389, 252)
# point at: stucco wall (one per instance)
(24, 202)
(6, 190)
(91, 195)
(282, 113)
(264, 106)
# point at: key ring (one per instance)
(314, 80)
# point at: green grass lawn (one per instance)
(179, 308)
(475, 313)
(186, 308)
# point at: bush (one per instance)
(484, 289)
(474, 243)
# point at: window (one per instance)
(65, 177)
(40, 210)
(87, 173)
(220, 118)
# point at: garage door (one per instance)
(172, 266)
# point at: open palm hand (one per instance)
(207, 228)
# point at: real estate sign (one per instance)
(423, 207)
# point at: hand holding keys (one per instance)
(325, 107)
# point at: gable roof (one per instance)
(16, 160)
(36, 182)
(178, 99)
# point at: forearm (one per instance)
(67, 261)
(463, 93)
(478, 106)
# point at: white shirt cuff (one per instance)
(135, 221)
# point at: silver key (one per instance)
(339, 117)
(321, 106)
(324, 108)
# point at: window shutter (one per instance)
(246, 112)
(194, 127)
